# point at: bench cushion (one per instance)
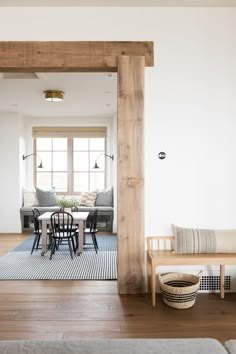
(189, 240)
(114, 346)
(56, 208)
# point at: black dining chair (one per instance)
(37, 229)
(73, 209)
(92, 230)
(62, 230)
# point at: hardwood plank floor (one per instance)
(73, 309)
(10, 241)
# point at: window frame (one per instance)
(70, 167)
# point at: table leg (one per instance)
(44, 237)
(81, 237)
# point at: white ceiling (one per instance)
(86, 94)
(109, 3)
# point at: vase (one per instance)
(67, 210)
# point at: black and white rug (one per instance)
(21, 265)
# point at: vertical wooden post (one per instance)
(130, 190)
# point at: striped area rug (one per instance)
(21, 265)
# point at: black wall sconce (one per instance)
(96, 165)
(26, 156)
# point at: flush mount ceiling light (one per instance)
(54, 95)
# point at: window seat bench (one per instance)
(104, 219)
(160, 253)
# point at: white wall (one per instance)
(10, 188)
(190, 100)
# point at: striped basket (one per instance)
(179, 290)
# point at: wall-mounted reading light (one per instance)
(41, 163)
(96, 165)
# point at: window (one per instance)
(68, 163)
(85, 153)
(54, 154)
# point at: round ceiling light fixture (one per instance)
(54, 95)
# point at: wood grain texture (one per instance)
(93, 309)
(10, 241)
(69, 56)
(69, 309)
(131, 278)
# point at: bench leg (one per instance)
(149, 280)
(222, 281)
(153, 282)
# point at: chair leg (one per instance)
(73, 244)
(95, 238)
(76, 241)
(53, 248)
(70, 247)
(39, 236)
(94, 242)
(49, 242)
(34, 243)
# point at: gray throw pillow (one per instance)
(46, 198)
(105, 198)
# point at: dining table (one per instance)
(78, 218)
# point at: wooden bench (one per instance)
(160, 253)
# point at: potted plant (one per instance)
(67, 204)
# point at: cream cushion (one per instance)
(225, 241)
(30, 197)
(189, 240)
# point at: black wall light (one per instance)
(96, 165)
(26, 156)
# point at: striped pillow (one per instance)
(194, 240)
(88, 199)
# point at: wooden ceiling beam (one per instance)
(69, 56)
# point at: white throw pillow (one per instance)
(29, 197)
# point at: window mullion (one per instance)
(70, 165)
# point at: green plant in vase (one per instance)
(67, 204)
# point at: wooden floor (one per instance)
(82, 309)
(10, 241)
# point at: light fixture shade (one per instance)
(54, 95)
(96, 165)
(40, 165)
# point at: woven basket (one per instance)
(179, 290)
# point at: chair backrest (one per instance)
(75, 209)
(61, 224)
(37, 224)
(93, 221)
